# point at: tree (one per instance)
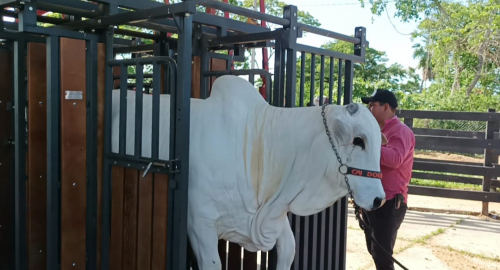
(460, 46)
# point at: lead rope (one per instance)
(362, 224)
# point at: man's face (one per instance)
(377, 110)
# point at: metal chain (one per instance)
(342, 165)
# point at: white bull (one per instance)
(251, 163)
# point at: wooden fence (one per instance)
(486, 142)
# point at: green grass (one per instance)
(445, 184)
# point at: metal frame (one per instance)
(211, 33)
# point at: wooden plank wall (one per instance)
(73, 155)
(37, 155)
(6, 160)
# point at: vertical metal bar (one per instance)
(339, 83)
(302, 77)
(53, 152)
(155, 135)
(139, 82)
(322, 81)
(180, 119)
(337, 234)
(27, 16)
(106, 187)
(278, 55)
(91, 74)
(123, 109)
(204, 67)
(330, 81)
(291, 77)
(330, 250)
(322, 239)
(343, 233)
(251, 79)
(349, 75)
(313, 78)
(20, 89)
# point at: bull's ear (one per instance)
(384, 139)
(342, 131)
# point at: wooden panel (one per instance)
(116, 241)
(444, 115)
(144, 222)
(215, 65)
(455, 194)
(6, 161)
(195, 82)
(159, 222)
(101, 86)
(73, 155)
(130, 219)
(37, 152)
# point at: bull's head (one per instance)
(357, 139)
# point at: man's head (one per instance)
(382, 104)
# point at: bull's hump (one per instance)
(233, 90)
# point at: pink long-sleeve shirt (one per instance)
(396, 161)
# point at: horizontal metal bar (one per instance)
(448, 133)
(237, 72)
(245, 38)
(21, 36)
(68, 8)
(134, 48)
(327, 33)
(54, 31)
(132, 33)
(456, 194)
(42, 19)
(143, 61)
(238, 58)
(320, 51)
(133, 76)
(134, 4)
(244, 12)
(9, 3)
(134, 16)
(75, 4)
(443, 115)
(214, 20)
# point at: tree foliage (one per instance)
(457, 44)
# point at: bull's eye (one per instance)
(358, 141)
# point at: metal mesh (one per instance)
(463, 125)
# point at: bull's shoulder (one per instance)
(233, 90)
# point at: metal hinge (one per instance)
(171, 166)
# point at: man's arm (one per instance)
(396, 150)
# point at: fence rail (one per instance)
(484, 142)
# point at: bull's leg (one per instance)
(285, 245)
(204, 241)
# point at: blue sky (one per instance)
(343, 16)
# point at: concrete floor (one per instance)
(430, 240)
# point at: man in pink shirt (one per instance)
(396, 164)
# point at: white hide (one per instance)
(251, 163)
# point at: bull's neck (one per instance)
(287, 134)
